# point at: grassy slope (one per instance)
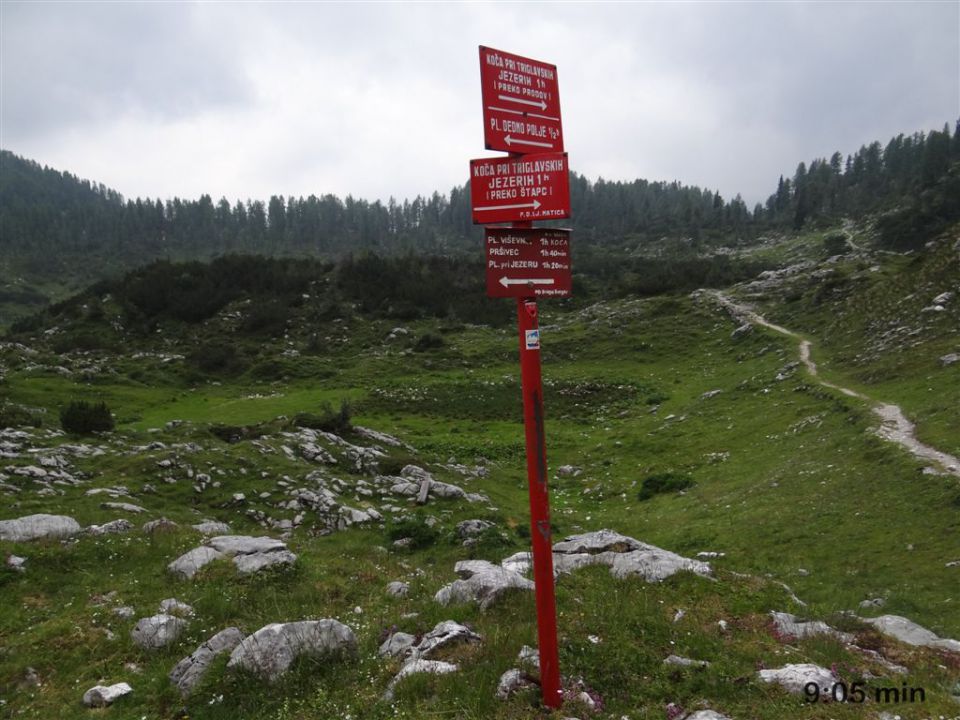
(788, 476)
(871, 333)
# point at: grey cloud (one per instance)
(383, 99)
(67, 65)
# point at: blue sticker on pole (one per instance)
(533, 339)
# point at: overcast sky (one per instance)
(377, 100)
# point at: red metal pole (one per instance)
(539, 501)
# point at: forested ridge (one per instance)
(51, 219)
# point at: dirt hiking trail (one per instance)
(894, 425)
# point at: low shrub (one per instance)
(662, 483)
(329, 420)
(395, 463)
(15, 416)
(81, 417)
(415, 528)
(428, 341)
(216, 358)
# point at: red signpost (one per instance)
(521, 103)
(521, 114)
(528, 262)
(520, 187)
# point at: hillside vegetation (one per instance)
(59, 233)
(674, 423)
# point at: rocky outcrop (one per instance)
(910, 633)
(36, 527)
(484, 582)
(111, 528)
(435, 667)
(443, 635)
(272, 649)
(787, 625)
(187, 673)
(212, 527)
(191, 562)
(158, 631)
(481, 582)
(398, 589)
(250, 554)
(399, 644)
(624, 555)
(103, 695)
(795, 678)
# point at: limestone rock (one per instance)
(172, 606)
(684, 662)
(101, 696)
(569, 471)
(110, 528)
(512, 681)
(521, 562)
(910, 633)
(654, 564)
(270, 651)
(482, 582)
(231, 545)
(597, 542)
(706, 715)
(190, 563)
(157, 631)
(568, 562)
(126, 507)
(398, 589)
(34, 527)
(416, 473)
(446, 490)
(124, 612)
(413, 667)
(444, 634)
(160, 525)
(472, 528)
(15, 562)
(624, 555)
(212, 527)
(399, 644)
(250, 554)
(795, 677)
(187, 673)
(787, 624)
(256, 562)
(529, 657)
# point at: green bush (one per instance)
(428, 341)
(82, 341)
(81, 417)
(491, 542)
(269, 318)
(395, 463)
(216, 358)
(416, 529)
(661, 483)
(15, 416)
(328, 419)
(835, 243)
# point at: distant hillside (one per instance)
(59, 233)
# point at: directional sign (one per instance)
(517, 189)
(521, 103)
(532, 262)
